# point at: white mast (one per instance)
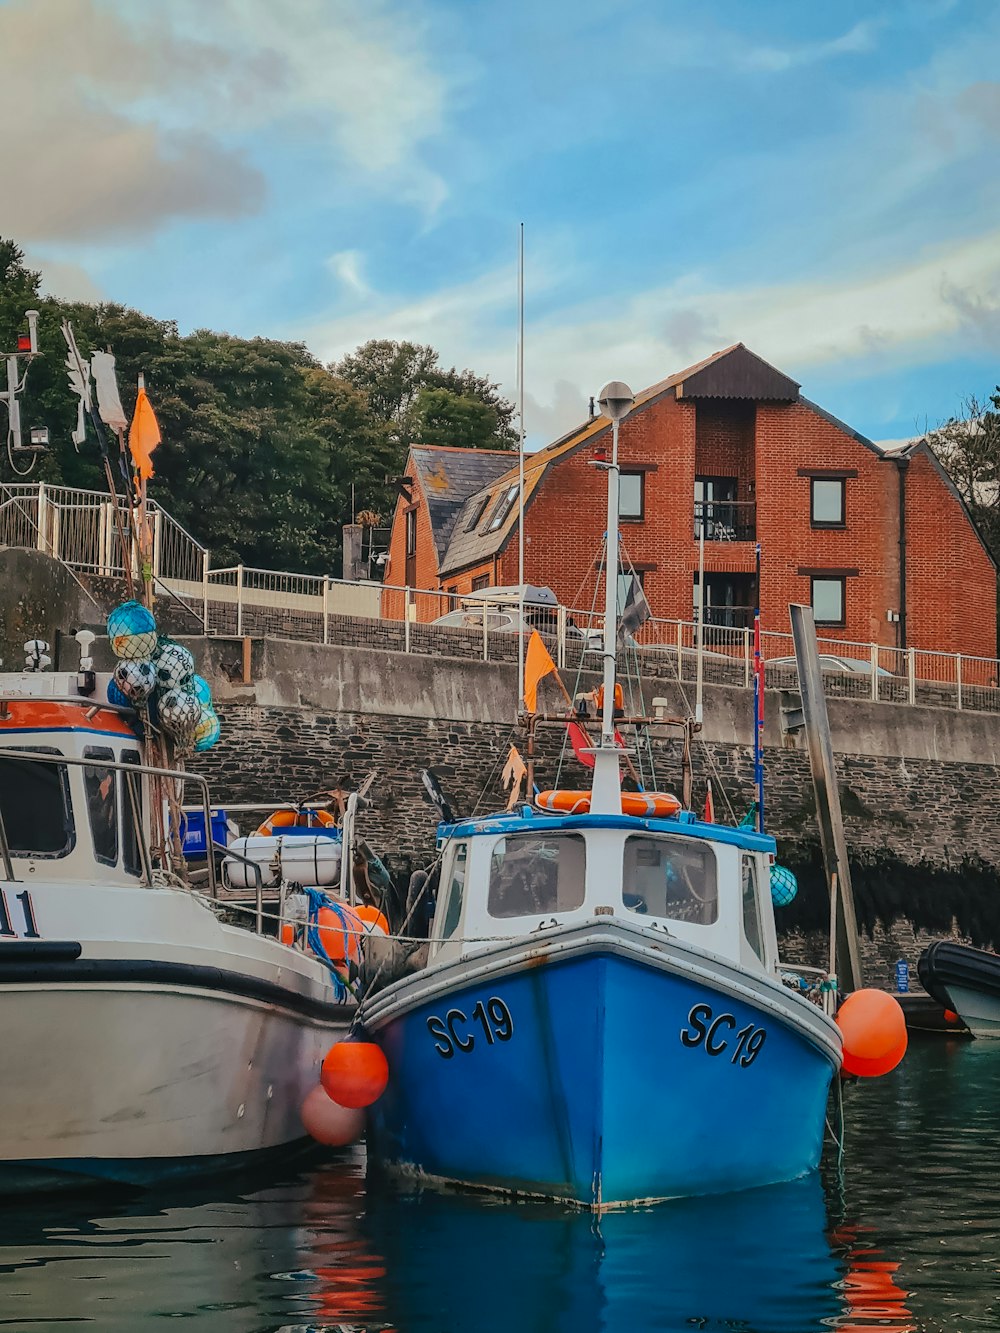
(606, 798)
(520, 472)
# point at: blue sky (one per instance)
(817, 181)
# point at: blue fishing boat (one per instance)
(602, 1018)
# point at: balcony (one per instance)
(727, 617)
(725, 520)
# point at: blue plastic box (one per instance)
(194, 845)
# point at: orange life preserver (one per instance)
(656, 804)
(300, 819)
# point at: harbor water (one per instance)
(902, 1234)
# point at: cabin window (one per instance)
(456, 891)
(751, 908)
(531, 874)
(35, 805)
(132, 829)
(665, 877)
(102, 804)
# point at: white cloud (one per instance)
(948, 300)
(131, 115)
(346, 266)
(858, 40)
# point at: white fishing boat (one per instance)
(144, 1036)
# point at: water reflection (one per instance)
(904, 1240)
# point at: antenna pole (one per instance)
(520, 470)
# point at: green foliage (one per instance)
(421, 403)
(261, 444)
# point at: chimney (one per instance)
(590, 416)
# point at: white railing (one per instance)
(79, 528)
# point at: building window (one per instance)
(503, 507)
(827, 502)
(632, 496)
(828, 600)
(480, 581)
(411, 532)
(477, 514)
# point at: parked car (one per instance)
(507, 620)
(855, 666)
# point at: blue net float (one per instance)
(208, 729)
(132, 631)
(202, 691)
(784, 886)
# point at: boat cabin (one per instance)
(75, 820)
(520, 874)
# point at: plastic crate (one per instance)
(193, 845)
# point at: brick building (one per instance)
(878, 541)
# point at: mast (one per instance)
(606, 798)
(520, 472)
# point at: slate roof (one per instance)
(447, 476)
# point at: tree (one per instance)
(19, 291)
(421, 403)
(969, 447)
(265, 453)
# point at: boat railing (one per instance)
(131, 771)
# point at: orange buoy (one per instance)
(340, 929)
(873, 1027)
(328, 1122)
(619, 698)
(374, 920)
(354, 1073)
(287, 933)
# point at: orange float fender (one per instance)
(301, 818)
(655, 804)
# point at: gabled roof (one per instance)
(727, 373)
(447, 476)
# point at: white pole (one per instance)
(611, 597)
(520, 473)
(698, 717)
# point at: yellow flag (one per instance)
(537, 663)
(143, 436)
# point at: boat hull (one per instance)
(139, 1082)
(631, 1072)
(965, 980)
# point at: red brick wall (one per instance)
(794, 437)
(724, 443)
(950, 579)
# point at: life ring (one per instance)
(298, 818)
(656, 804)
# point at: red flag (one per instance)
(709, 816)
(581, 743)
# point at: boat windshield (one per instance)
(672, 878)
(35, 805)
(535, 873)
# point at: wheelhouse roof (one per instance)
(684, 825)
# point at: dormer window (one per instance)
(503, 507)
(477, 514)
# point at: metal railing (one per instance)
(77, 527)
(725, 520)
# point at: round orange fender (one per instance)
(650, 804)
(303, 818)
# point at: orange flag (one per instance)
(143, 436)
(537, 663)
